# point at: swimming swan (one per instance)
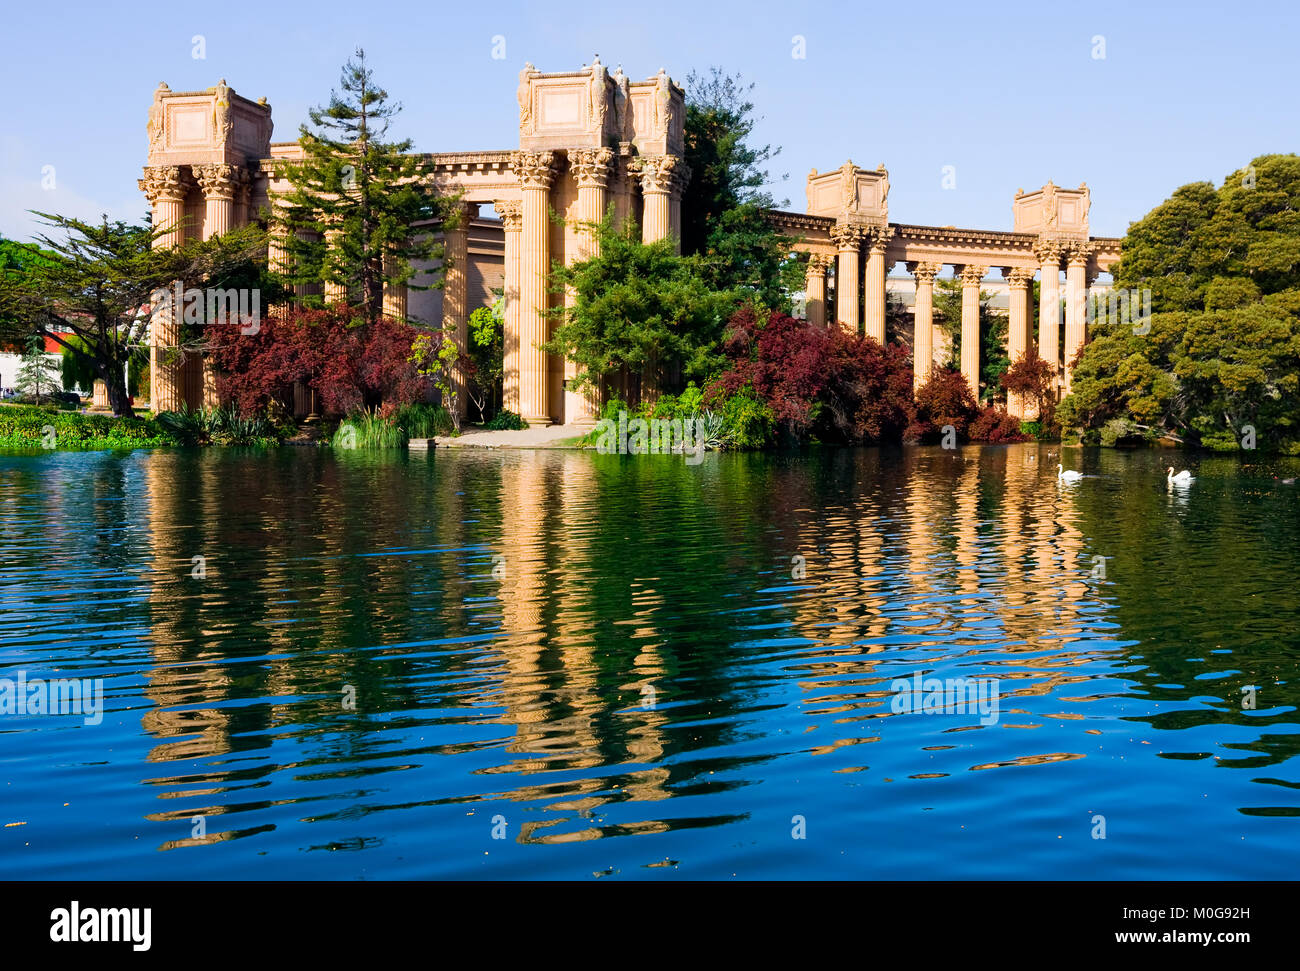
(1071, 476)
(1182, 478)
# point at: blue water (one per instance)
(617, 665)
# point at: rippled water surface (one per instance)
(631, 667)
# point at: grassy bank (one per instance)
(30, 426)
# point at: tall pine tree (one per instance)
(354, 215)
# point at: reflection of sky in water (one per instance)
(565, 648)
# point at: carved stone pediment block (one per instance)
(1053, 211)
(850, 194)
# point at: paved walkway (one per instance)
(550, 436)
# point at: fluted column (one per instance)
(848, 241)
(334, 292)
(536, 172)
(659, 177)
(394, 294)
(1049, 303)
(1076, 305)
(591, 169)
(455, 290)
(923, 328)
(815, 288)
(219, 184)
(1017, 327)
(874, 298)
(970, 326)
(509, 211)
(165, 189)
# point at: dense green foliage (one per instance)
(642, 310)
(487, 353)
(424, 420)
(363, 192)
(505, 420)
(93, 282)
(23, 426)
(220, 426)
(1219, 367)
(723, 206)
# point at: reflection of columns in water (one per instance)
(174, 680)
(965, 529)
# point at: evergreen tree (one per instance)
(723, 207)
(374, 194)
(37, 374)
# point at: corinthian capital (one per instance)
(971, 275)
(1018, 278)
(880, 239)
(535, 170)
(1048, 251)
(1078, 252)
(924, 273)
(219, 181)
(659, 173)
(819, 263)
(592, 166)
(511, 213)
(848, 237)
(163, 183)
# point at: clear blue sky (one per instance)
(1008, 93)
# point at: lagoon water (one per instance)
(559, 664)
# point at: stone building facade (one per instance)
(590, 140)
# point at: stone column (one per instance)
(394, 294)
(536, 172)
(219, 184)
(875, 284)
(592, 168)
(1017, 327)
(970, 326)
(277, 251)
(165, 190)
(1076, 305)
(848, 240)
(455, 289)
(923, 328)
(815, 288)
(1049, 302)
(658, 180)
(509, 211)
(334, 292)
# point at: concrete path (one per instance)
(551, 436)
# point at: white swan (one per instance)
(1182, 478)
(1071, 476)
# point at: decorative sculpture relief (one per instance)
(596, 94)
(524, 94)
(221, 121)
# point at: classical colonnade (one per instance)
(850, 240)
(592, 142)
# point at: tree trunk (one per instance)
(115, 384)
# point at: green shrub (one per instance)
(220, 426)
(506, 421)
(423, 420)
(748, 422)
(23, 426)
(368, 429)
